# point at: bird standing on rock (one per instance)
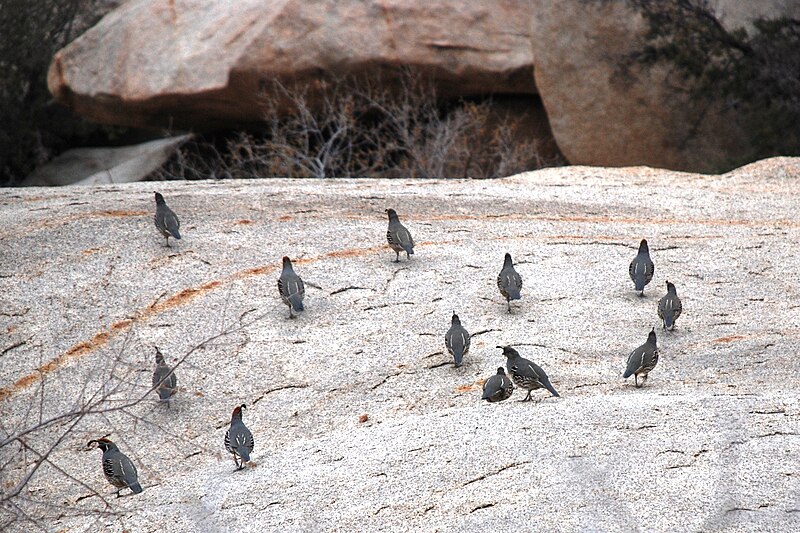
(509, 282)
(117, 468)
(498, 387)
(166, 220)
(526, 374)
(291, 288)
(457, 340)
(238, 439)
(642, 360)
(641, 268)
(164, 379)
(669, 307)
(398, 236)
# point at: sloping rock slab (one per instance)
(360, 422)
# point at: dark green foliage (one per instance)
(755, 73)
(32, 127)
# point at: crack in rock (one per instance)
(280, 388)
(483, 506)
(383, 306)
(351, 288)
(489, 474)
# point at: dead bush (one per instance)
(363, 127)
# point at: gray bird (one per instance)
(291, 288)
(669, 307)
(457, 340)
(526, 374)
(509, 282)
(117, 468)
(399, 237)
(166, 220)
(498, 387)
(642, 360)
(164, 379)
(238, 439)
(641, 268)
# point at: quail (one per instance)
(498, 387)
(238, 439)
(166, 220)
(164, 379)
(509, 282)
(117, 468)
(526, 374)
(291, 288)
(398, 236)
(669, 307)
(457, 340)
(641, 268)
(642, 360)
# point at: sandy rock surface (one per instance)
(359, 420)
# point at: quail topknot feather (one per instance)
(641, 268)
(164, 379)
(509, 281)
(498, 387)
(642, 360)
(118, 469)
(238, 439)
(291, 288)
(398, 236)
(526, 374)
(669, 307)
(457, 340)
(166, 220)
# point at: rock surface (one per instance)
(603, 114)
(199, 63)
(360, 422)
(95, 166)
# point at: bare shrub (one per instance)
(363, 127)
(114, 398)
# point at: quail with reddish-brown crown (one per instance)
(457, 340)
(164, 380)
(118, 469)
(526, 374)
(498, 387)
(291, 288)
(669, 307)
(641, 268)
(398, 236)
(509, 281)
(238, 439)
(166, 220)
(642, 360)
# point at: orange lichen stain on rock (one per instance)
(257, 270)
(729, 338)
(119, 213)
(78, 350)
(352, 252)
(121, 325)
(471, 387)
